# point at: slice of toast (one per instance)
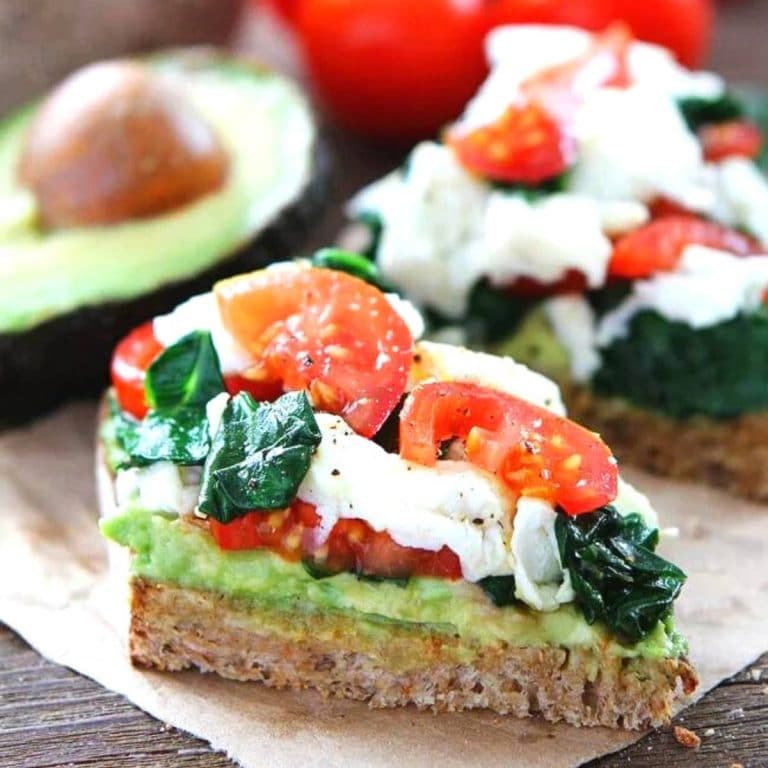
(388, 664)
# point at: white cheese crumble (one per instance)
(742, 199)
(452, 504)
(444, 362)
(201, 313)
(162, 487)
(540, 579)
(573, 322)
(444, 231)
(709, 287)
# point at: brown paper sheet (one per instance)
(54, 590)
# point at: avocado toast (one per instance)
(599, 213)
(133, 185)
(315, 498)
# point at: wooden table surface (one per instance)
(50, 716)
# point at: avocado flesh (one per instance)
(534, 344)
(175, 551)
(268, 130)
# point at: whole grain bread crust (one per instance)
(731, 454)
(173, 628)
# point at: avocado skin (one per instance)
(68, 356)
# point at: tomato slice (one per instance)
(533, 451)
(130, 360)
(735, 138)
(572, 281)
(326, 331)
(658, 246)
(352, 546)
(530, 142)
(525, 145)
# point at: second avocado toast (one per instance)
(597, 213)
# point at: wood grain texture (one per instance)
(50, 716)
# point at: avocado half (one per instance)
(67, 296)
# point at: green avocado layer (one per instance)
(175, 551)
(266, 126)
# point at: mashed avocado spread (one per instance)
(182, 553)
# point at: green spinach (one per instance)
(179, 383)
(501, 589)
(185, 374)
(353, 264)
(259, 455)
(719, 371)
(615, 574)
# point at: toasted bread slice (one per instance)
(338, 654)
(173, 628)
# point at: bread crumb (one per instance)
(756, 674)
(736, 765)
(686, 738)
(709, 732)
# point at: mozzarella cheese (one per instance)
(443, 231)
(540, 579)
(573, 323)
(444, 362)
(201, 313)
(709, 287)
(161, 487)
(451, 504)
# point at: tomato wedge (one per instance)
(532, 450)
(531, 142)
(658, 246)
(352, 546)
(326, 331)
(525, 145)
(735, 138)
(130, 360)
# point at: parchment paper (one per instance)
(55, 592)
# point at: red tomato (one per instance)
(281, 530)
(572, 282)
(352, 545)
(530, 142)
(657, 247)
(326, 331)
(525, 145)
(397, 69)
(284, 9)
(736, 138)
(533, 451)
(259, 389)
(130, 360)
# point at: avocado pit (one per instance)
(116, 141)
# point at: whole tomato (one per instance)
(395, 69)
(402, 69)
